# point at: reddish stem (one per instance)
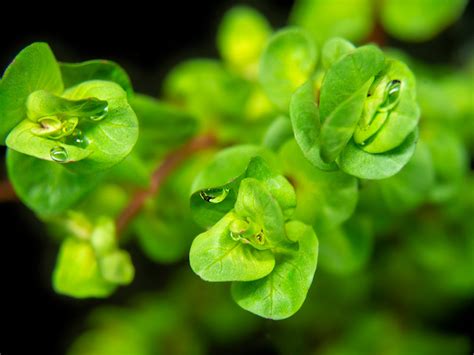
(168, 165)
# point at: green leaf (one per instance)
(23, 140)
(324, 199)
(288, 61)
(92, 136)
(304, 115)
(342, 97)
(160, 124)
(280, 294)
(230, 164)
(98, 69)
(333, 50)
(419, 20)
(77, 272)
(207, 90)
(347, 76)
(111, 138)
(216, 256)
(391, 113)
(48, 188)
(340, 125)
(277, 185)
(222, 177)
(103, 237)
(278, 133)
(117, 267)
(355, 161)
(34, 68)
(350, 19)
(259, 208)
(241, 37)
(42, 103)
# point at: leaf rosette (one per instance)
(89, 262)
(363, 116)
(73, 114)
(251, 240)
(70, 122)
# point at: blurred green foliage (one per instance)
(389, 222)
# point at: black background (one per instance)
(147, 40)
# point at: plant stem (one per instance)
(7, 194)
(167, 166)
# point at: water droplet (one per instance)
(70, 125)
(391, 96)
(214, 195)
(58, 154)
(100, 116)
(78, 137)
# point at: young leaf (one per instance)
(305, 120)
(257, 206)
(48, 188)
(277, 185)
(333, 50)
(391, 113)
(241, 37)
(23, 140)
(280, 294)
(221, 179)
(216, 256)
(355, 161)
(98, 69)
(338, 128)
(42, 103)
(117, 267)
(111, 137)
(229, 164)
(288, 61)
(77, 272)
(34, 68)
(343, 94)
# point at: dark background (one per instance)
(147, 40)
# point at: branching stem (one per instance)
(167, 166)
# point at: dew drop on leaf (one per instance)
(100, 116)
(69, 126)
(392, 96)
(77, 138)
(58, 154)
(214, 195)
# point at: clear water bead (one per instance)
(58, 154)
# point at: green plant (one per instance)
(297, 146)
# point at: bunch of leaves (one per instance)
(252, 240)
